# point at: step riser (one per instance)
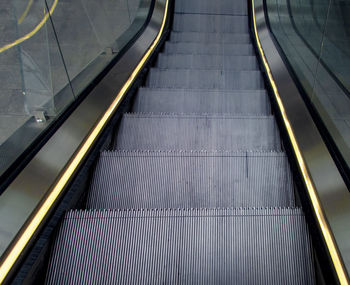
(193, 133)
(190, 102)
(210, 23)
(205, 79)
(210, 38)
(207, 62)
(182, 247)
(190, 180)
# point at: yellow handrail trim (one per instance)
(33, 32)
(20, 20)
(338, 265)
(22, 241)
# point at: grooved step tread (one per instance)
(179, 174)
(210, 23)
(205, 79)
(243, 38)
(189, 246)
(190, 179)
(195, 132)
(220, 7)
(201, 101)
(209, 49)
(196, 61)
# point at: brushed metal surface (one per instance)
(25, 194)
(191, 179)
(183, 246)
(332, 192)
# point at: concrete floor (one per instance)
(9, 124)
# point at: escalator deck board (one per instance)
(205, 246)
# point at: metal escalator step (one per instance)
(184, 246)
(212, 7)
(195, 132)
(205, 79)
(201, 101)
(210, 37)
(195, 61)
(190, 179)
(210, 23)
(209, 49)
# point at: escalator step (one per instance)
(190, 179)
(205, 79)
(209, 49)
(210, 37)
(195, 61)
(210, 23)
(185, 246)
(221, 7)
(201, 101)
(195, 132)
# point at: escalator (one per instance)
(197, 187)
(190, 145)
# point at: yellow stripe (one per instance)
(62, 182)
(32, 33)
(20, 20)
(310, 187)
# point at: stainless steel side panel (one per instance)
(331, 195)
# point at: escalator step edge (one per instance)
(190, 179)
(184, 246)
(197, 132)
(165, 100)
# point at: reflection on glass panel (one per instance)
(331, 94)
(87, 30)
(48, 58)
(32, 73)
(12, 101)
(315, 37)
(292, 23)
(309, 18)
(336, 44)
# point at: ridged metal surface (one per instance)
(197, 101)
(205, 79)
(242, 38)
(185, 61)
(222, 7)
(197, 132)
(209, 49)
(189, 246)
(192, 162)
(185, 179)
(210, 23)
